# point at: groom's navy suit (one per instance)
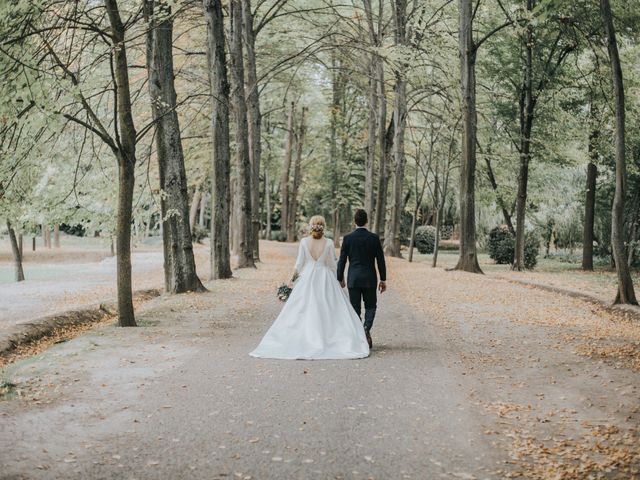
(363, 250)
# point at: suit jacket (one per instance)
(363, 250)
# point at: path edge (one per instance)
(632, 311)
(26, 333)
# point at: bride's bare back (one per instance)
(316, 247)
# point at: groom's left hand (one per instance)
(382, 287)
(343, 283)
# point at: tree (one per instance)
(221, 154)
(626, 292)
(297, 178)
(468, 260)
(179, 263)
(392, 239)
(243, 162)
(17, 253)
(254, 118)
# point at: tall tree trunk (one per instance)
(17, 255)
(626, 292)
(386, 144)
(221, 158)
(56, 235)
(195, 205)
(126, 156)
(468, 260)
(243, 162)
(297, 174)
(267, 201)
(590, 206)
(254, 118)
(494, 185)
(392, 240)
(370, 160)
(526, 122)
(179, 264)
(46, 235)
(336, 121)
(205, 200)
(285, 183)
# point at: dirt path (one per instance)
(452, 390)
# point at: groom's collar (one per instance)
(364, 226)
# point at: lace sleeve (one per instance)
(300, 261)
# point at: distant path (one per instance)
(442, 396)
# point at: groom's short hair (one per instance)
(360, 217)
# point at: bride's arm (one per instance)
(333, 261)
(300, 261)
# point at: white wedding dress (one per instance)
(317, 321)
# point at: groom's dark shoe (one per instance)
(369, 341)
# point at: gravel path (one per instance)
(180, 397)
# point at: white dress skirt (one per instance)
(317, 322)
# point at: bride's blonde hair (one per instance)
(317, 226)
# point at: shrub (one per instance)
(279, 235)
(425, 239)
(199, 233)
(531, 250)
(501, 245)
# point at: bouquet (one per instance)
(285, 289)
(283, 292)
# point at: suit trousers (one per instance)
(370, 298)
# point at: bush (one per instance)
(425, 240)
(501, 245)
(531, 250)
(279, 235)
(199, 233)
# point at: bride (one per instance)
(317, 321)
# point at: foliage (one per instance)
(425, 238)
(501, 246)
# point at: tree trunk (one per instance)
(267, 201)
(286, 168)
(494, 185)
(370, 160)
(297, 174)
(179, 263)
(126, 155)
(17, 255)
(221, 158)
(254, 118)
(33, 244)
(123, 244)
(243, 162)
(392, 239)
(56, 235)
(526, 105)
(589, 214)
(195, 205)
(412, 238)
(386, 143)
(626, 292)
(46, 235)
(468, 260)
(20, 245)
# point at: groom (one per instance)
(363, 250)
